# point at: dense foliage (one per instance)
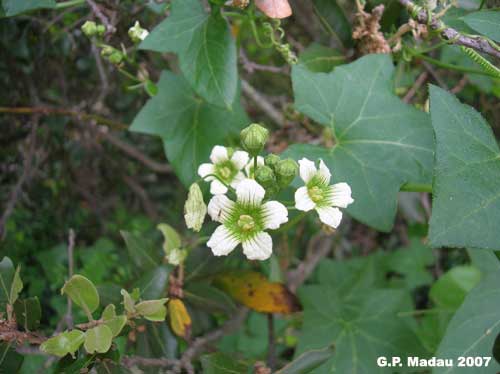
(249, 186)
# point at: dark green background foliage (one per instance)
(95, 153)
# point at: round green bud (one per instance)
(115, 57)
(89, 28)
(286, 171)
(254, 138)
(107, 50)
(265, 176)
(100, 30)
(272, 160)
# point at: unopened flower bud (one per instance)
(286, 170)
(101, 30)
(116, 57)
(272, 160)
(253, 138)
(195, 208)
(89, 28)
(265, 176)
(137, 33)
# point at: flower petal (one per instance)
(307, 169)
(324, 172)
(222, 242)
(340, 195)
(303, 201)
(217, 187)
(206, 169)
(330, 216)
(275, 214)
(240, 159)
(260, 247)
(220, 207)
(219, 154)
(249, 191)
(237, 179)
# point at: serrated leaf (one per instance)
(334, 20)
(308, 361)
(274, 8)
(82, 292)
(28, 313)
(114, 322)
(221, 363)
(206, 50)
(380, 142)
(98, 339)
(450, 289)
(188, 126)
(180, 320)
(473, 328)
(361, 325)
(486, 22)
(255, 291)
(466, 192)
(152, 310)
(62, 344)
(15, 7)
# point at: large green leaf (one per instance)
(141, 252)
(188, 126)
(206, 50)
(487, 22)
(15, 7)
(466, 204)
(28, 313)
(473, 328)
(361, 325)
(334, 20)
(380, 142)
(450, 290)
(10, 360)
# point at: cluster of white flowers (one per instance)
(246, 220)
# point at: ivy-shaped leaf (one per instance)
(487, 22)
(361, 325)
(189, 126)
(466, 192)
(15, 7)
(381, 143)
(206, 50)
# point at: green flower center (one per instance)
(226, 171)
(246, 222)
(315, 193)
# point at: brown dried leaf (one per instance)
(255, 291)
(274, 8)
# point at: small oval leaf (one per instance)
(82, 292)
(98, 339)
(62, 344)
(114, 322)
(152, 310)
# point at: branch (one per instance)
(262, 103)
(151, 362)
(477, 43)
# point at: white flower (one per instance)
(251, 165)
(244, 221)
(225, 168)
(137, 33)
(318, 194)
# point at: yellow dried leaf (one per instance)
(255, 291)
(274, 8)
(180, 321)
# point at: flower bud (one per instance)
(195, 208)
(137, 33)
(116, 57)
(272, 160)
(89, 28)
(265, 176)
(286, 170)
(101, 30)
(253, 138)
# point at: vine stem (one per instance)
(69, 3)
(416, 187)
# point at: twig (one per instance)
(477, 43)
(434, 74)
(319, 246)
(71, 264)
(460, 85)
(251, 66)
(418, 83)
(143, 196)
(151, 362)
(102, 76)
(25, 176)
(262, 103)
(200, 344)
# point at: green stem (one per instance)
(416, 187)
(234, 14)
(128, 75)
(68, 4)
(254, 166)
(452, 67)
